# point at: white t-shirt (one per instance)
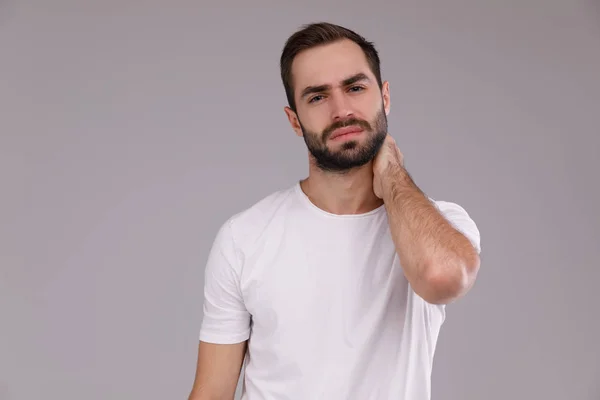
(323, 302)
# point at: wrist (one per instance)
(396, 181)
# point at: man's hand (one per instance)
(388, 162)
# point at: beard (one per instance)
(352, 153)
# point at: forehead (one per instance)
(328, 64)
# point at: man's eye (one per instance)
(315, 98)
(355, 88)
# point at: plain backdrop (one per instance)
(130, 130)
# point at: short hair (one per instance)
(317, 34)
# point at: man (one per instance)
(334, 288)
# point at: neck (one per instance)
(350, 192)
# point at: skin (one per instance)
(356, 174)
(440, 262)
(217, 371)
(350, 191)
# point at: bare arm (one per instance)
(218, 370)
(438, 260)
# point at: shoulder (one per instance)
(247, 225)
(458, 216)
(448, 206)
(262, 211)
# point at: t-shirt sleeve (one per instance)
(225, 318)
(460, 219)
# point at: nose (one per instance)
(340, 107)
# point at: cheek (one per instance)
(367, 107)
(315, 120)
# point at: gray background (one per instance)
(131, 130)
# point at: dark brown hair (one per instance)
(317, 34)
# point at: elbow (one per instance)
(444, 283)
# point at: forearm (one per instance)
(438, 260)
(199, 395)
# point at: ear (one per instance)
(385, 94)
(294, 122)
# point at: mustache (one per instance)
(342, 124)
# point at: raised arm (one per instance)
(438, 249)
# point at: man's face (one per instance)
(341, 111)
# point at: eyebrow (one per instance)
(346, 82)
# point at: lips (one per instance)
(345, 131)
